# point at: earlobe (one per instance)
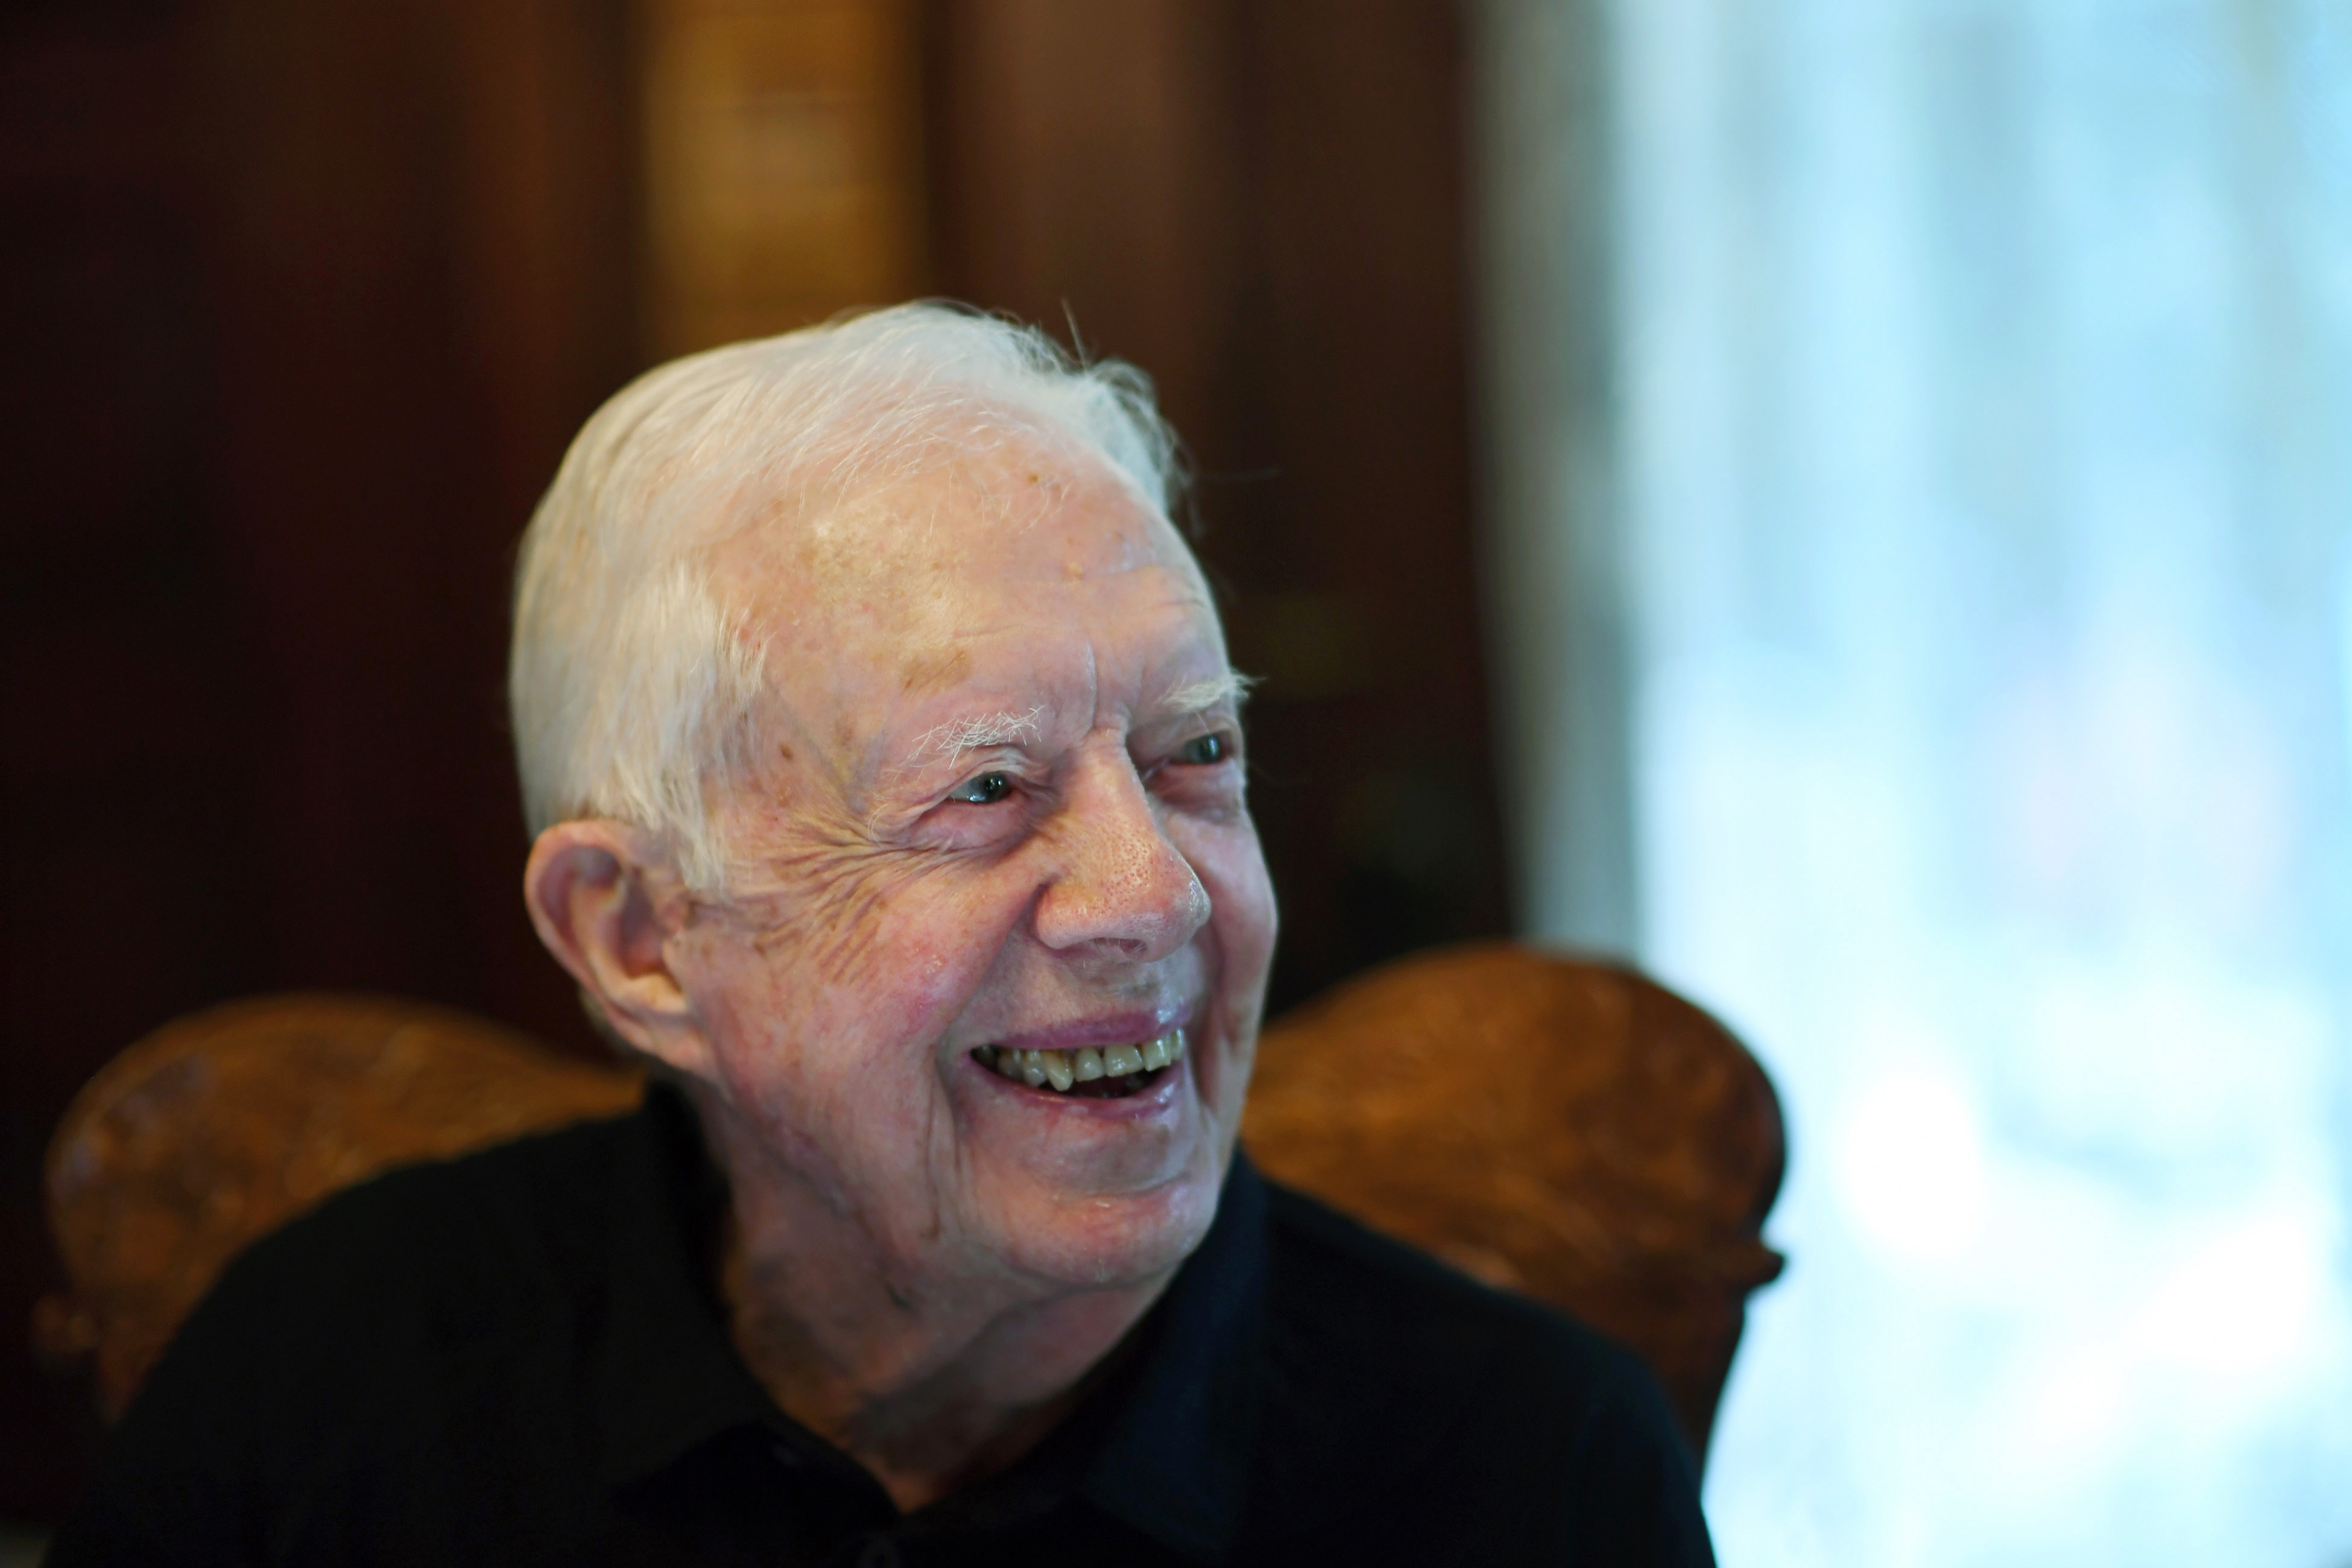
(605, 901)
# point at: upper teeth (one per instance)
(1062, 1068)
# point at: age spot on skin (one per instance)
(933, 670)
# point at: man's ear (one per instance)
(605, 900)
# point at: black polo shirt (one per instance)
(518, 1357)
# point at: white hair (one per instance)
(632, 683)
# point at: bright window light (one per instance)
(1985, 401)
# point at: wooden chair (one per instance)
(1561, 1128)
(222, 1126)
(1550, 1126)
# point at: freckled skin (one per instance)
(929, 1258)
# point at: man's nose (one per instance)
(1120, 886)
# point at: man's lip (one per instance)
(1106, 1030)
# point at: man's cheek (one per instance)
(843, 918)
(930, 944)
(1232, 866)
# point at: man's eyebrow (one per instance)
(973, 733)
(1202, 695)
(978, 731)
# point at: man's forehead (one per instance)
(933, 605)
(903, 573)
(1051, 507)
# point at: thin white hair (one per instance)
(1231, 687)
(633, 684)
(973, 734)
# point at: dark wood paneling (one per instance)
(303, 300)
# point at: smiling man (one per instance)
(887, 775)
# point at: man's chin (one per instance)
(1093, 1241)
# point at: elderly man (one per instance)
(886, 769)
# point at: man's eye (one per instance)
(982, 789)
(1203, 749)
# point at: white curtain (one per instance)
(1978, 492)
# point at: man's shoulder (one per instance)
(1367, 1296)
(1409, 1401)
(365, 1359)
(475, 1222)
(394, 1292)
(410, 1291)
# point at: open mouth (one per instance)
(1112, 1072)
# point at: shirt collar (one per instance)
(1167, 1438)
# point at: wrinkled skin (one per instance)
(1000, 798)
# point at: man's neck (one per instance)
(929, 1379)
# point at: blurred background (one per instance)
(1849, 504)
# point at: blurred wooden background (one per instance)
(303, 300)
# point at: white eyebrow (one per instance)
(975, 734)
(954, 739)
(1202, 695)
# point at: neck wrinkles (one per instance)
(931, 1373)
